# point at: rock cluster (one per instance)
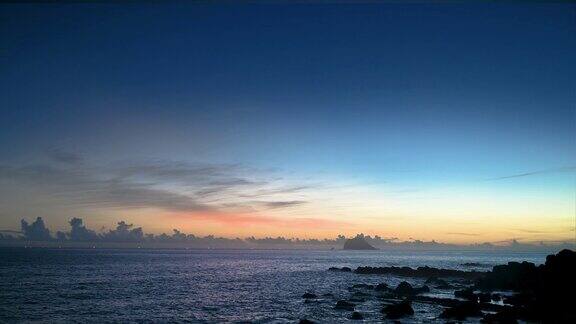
(425, 272)
(542, 293)
(398, 310)
(343, 269)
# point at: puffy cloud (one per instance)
(79, 232)
(124, 233)
(36, 231)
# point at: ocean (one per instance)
(208, 286)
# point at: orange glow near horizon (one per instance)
(440, 229)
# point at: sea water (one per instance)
(210, 286)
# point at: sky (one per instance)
(448, 121)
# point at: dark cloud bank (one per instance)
(127, 235)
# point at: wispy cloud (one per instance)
(463, 234)
(538, 172)
(63, 156)
(281, 204)
(165, 185)
(533, 231)
(90, 188)
(279, 191)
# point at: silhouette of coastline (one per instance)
(125, 235)
(506, 294)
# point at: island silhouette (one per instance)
(358, 243)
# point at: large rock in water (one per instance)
(543, 293)
(398, 310)
(462, 311)
(358, 243)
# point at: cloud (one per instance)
(36, 231)
(79, 232)
(62, 156)
(130, 195)
(282, 204)
(124, 232)
(463, 234)
(277, 191)
(164, 185)
(187, 174)
(538, 172)
(89, 188)
(531, 231)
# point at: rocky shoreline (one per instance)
(424, 272)
(506, 294)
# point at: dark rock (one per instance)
(543, 293)
(439, 283)
(406, 289)
(343, 269)
(471, 264)
(484, 298)
(342, 304)
(513, 276)
(399, 310)
(435, 281)
(557, 287)
(305, 321)
(309, 296)
(358, 243)
(462, 311)
(356, 316)
(519, 299)
(450, 302)
(467, 294)
(421, 272)
(508, 315)
(431, 280)
(328, 295)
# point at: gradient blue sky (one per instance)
(428, 102)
